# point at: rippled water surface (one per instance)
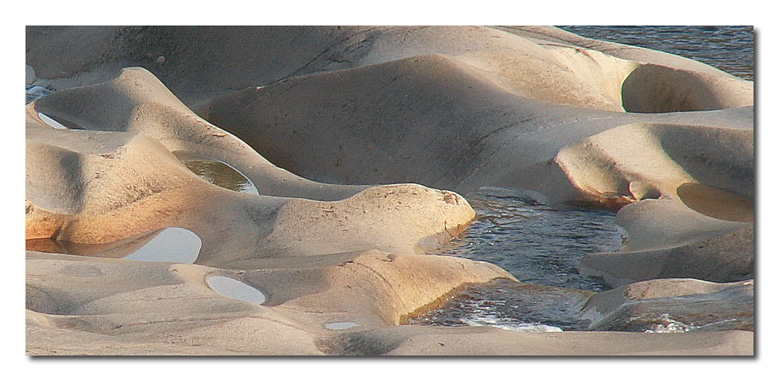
(512, 306)
(539, 244)
(542, 246)
(728, 48)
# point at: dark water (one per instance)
(728, 48)
(538, 244)
(512, 306)
(542, 246)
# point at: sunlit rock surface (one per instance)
(356, 140)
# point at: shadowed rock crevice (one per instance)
(658, 89)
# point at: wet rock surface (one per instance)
(673, 305)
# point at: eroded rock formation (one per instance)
(361, 143)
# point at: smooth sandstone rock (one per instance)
(487, 341)
(681, 304)
(149, 305)
(137, 102)
(532, 109)
(666, 239)
(131, 186)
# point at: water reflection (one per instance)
(51, 122)
(235, 289)
(177, 245)
(217, 173)
(340, 326)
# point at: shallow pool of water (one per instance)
(235, 289)
(538, 244)
(174, 244)
(341, 326)
(542, 246)
(217, 173)
(51, 122)
(170, 245)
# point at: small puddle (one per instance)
(51, 122)
(217, 172)
(170, 245)
(340, 326)
(234, 289)
(177, 245)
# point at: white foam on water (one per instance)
(340, 326)
(669, 325)
(171, 245)
(516, 327)
(51, 122)
(235, 289)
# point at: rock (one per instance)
(487, 341)
(29, 75)
(134, 308)
(666, 239)
(137, 102)
(673, 305)
(360, 141)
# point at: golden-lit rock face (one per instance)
(358, 144)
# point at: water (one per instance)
(727, 309)
(728, 48)
(512, 306)
(341, 326)
(217, 173)
(177, 245)
(34, 92)
(542, 246)
(539, 244)
(235, 289)
(170, 245)
(51, 122)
